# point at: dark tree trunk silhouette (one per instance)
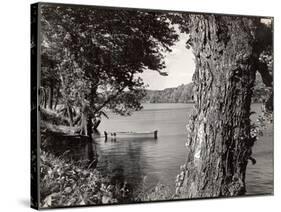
(44, 93)
(66, 102)
(69, 114)
(219, 142)
(57, 97)
(51, 97)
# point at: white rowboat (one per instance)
(130, 134)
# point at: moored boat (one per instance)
(130, 134)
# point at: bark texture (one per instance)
(219, 139)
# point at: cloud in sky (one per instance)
(179, 66)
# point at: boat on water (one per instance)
(130, 134)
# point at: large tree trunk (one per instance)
(219, 141)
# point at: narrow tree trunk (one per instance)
(57, 98)
(69, 114)
(66, 102)
(84, 123)
(45, 98)
(219, 141)
(86, 120)
(51, 94)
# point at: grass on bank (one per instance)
(66, 184)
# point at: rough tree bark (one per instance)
(219, 141)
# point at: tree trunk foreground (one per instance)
(219, 141)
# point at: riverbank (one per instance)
(66, 181)
(63, 183)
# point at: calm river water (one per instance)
(144, 162)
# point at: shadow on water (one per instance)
(84, 151)
(124, 160)
(81, 150)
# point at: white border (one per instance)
(15, 103)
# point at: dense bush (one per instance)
(158, 193)
(52, 117)
(66, 184)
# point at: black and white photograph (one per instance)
(142, 105)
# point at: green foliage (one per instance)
(124, 103)
(95, 55)
(63, 183)
(261, 92)
(158, 193)
(52, 117)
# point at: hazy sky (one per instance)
(179, 65)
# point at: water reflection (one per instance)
(159, 160)
(78, 149)
(123, 160)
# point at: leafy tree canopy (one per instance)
(95, 55)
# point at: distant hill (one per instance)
(184, 94)
(180, 94)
